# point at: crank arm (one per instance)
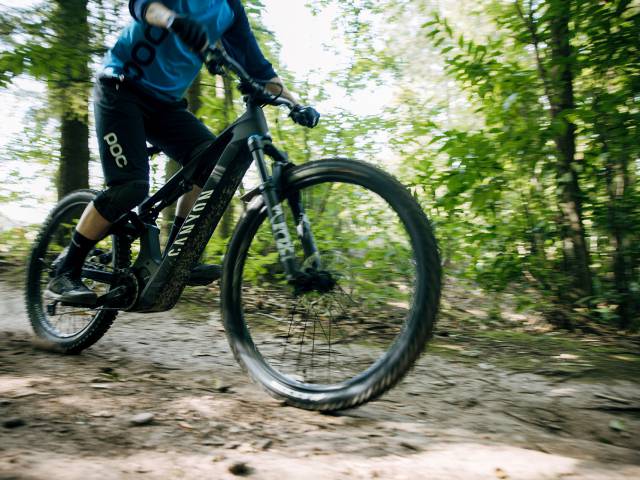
(98, 275)
(108, 298)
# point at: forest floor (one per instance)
(507, 399)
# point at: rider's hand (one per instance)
(191, 32)
(305, 116)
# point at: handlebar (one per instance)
(216, 60)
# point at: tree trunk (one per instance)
(168, 214)
(73, 172)
(194, 95)
(556, 75)
(616, 219)
(194, 99)
(70, 92)
(570, 196)
(618, 213)
(228, 111)
(225, 229)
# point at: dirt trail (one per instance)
(446, 420)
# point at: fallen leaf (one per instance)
(617, 425)
(501, 474)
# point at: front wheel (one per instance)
(348, 342)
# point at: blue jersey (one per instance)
(160, 63)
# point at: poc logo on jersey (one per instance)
(115, 149)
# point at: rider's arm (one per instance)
(241, 44)
(138, 8)
(276, 87)
(154, 13)
(190, 31)
(238, 40)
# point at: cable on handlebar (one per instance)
(276, 97)
(216, 59)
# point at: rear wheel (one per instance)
(371, 307)
(71, 329)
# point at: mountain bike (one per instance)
(330, 283)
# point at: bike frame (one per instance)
(163, 278)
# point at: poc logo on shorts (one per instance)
(115, 149)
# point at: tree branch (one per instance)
(529, 22)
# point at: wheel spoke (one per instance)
(65, 322)
(333, 327)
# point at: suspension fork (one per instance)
(277, 220)
(303, 229)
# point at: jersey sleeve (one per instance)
(241, 44)
(137, 8)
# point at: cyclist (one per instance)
(139, 98)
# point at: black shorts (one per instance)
(127, 117)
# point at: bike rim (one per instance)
(324, 341)
(66, 322)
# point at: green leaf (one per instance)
(617, 425)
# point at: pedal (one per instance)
(105, 258)
(51, 308)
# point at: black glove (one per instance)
(305, 116)
(192, 33)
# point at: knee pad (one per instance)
(119, 199)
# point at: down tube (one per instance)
(166, 285)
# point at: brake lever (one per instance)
(213, 61)
(216, 69)
(217, 64)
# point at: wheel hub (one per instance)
(310, 280)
